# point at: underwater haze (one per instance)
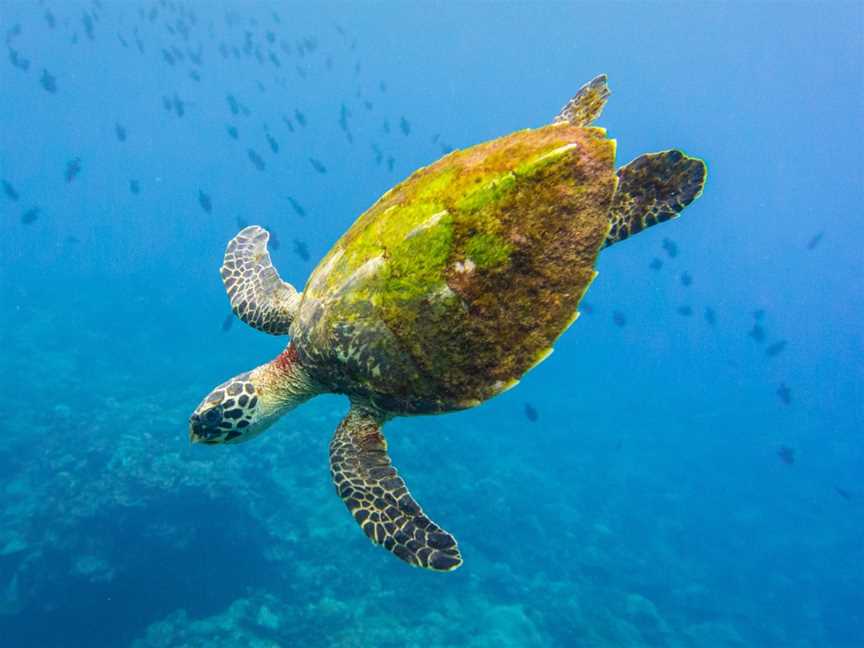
(685, 471)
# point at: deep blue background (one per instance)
(651, 480)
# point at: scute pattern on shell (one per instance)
(458, 280)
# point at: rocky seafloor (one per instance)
(114, 528)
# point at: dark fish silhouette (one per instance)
(233, 105)
(656, 263)
(179, 106)
(274, 145)
(48, 81)
(671, 247)
(619, 318)
(404, 126)
(134, 187)
(9, 190)
(49, 18)
(73, 168)
(811, 245)
(88, 25)
(205, 202)
(759, 315)
(274, 240)
(256, 160)
(686, 279)
(757, 333)
(13, 32)
(382, 86)
(842, 492)
(686, 311)
(228, 322)
(72, 240)
(775, 349)
(195, 75)
(166, 103)
(531, 413)
(586, 307)
(300, 117)
(391, 162)
(120, 131)
(786, 454)
(785, 394)
(287, 121)
(378, 154)
(18, 61)
(317, 165)
(168, 57)
(301, 250)
(232, 132)
(30, 215)
(710, 316)
(297, 207)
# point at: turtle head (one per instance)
(246, 405)
(233, 412)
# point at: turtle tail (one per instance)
(652, 189)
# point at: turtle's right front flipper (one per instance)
(258, 295)
(379, 500)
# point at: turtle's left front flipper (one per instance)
(379, 500)
(258, 295)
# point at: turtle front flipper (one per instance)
(587, 104)
(652, 189)
(258, 295)
(379, 500)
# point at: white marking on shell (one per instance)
(462, 268)
(425, 225)
(556, 152)
(322, 274)
(365, 271)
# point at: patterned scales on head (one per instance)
(459, 280)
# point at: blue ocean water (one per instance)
(685, 470)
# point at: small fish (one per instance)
(88, 25)
(710, 316)
(73, 240)
(232, 132)
(273, 243)
(531, 413)
(228, 322)
(73, 168)
(685, 310)
(586, 307)
(300, 117)
(775, 349)
(619, 318)
(205, 202)
(686, 279)
(30, 215)
(233, 105)
(274, 145)
(317, 165)
(134, 187)
(671, 247)
(287, 121)
(256, 159)
(10, 191)
(757, 333)
(168, 57)
(382, 86)
(166, 103)
(786, 454)
(49, 82)
(391, 162)
(297, 207)
(785, 394)
(195, 75)
(817, 238)
(18, 61)
(656, 263)
(759, 314)
(404, 126)
(49, 18)
(120, 132)
(842, 492)
(179, 106)
(301, 250)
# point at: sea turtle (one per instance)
(442, 295)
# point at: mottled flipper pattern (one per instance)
(258, 296)
(587, 104)
(652, 189)
(378, 498)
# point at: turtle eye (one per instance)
(212, 416)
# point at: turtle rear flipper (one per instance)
(587, 104)
(652, 189)
(258, 296)
(379, 500)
